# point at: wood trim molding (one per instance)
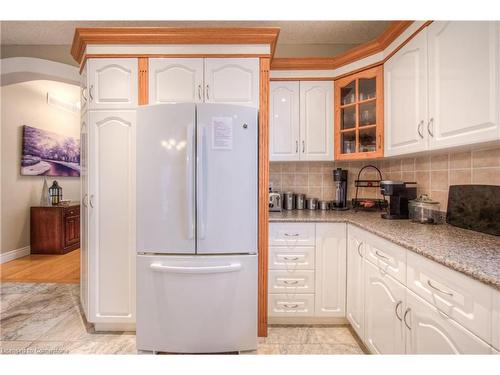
(394, 30)
(263, 195)
(171, 35)
(143, 71)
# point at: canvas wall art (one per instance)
(46, 153)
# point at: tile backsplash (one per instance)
(434, 173)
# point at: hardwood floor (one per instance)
(38, 268)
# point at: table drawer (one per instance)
(281, 305)
(465, 300)
(291, 259)
(282, 281)
(72, 211)
(291, 234)
(387, 256)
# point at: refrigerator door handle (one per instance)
(190, 181)
(232, 267)
(202, 181)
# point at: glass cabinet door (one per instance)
(359, 115)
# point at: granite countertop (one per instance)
(472, 253)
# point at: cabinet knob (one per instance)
(208, 96)
(296, 146)
(303, 146)
(419, 129)
(429, 125)
(404, 318)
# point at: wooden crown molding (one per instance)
(171, 35)
(394, 30)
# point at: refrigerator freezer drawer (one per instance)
(196, 304)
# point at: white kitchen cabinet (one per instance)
(355, 280)
(495, 324)
(405, 98)
(284, 121)
(232, 81)
(316, 120)
(84, 91)
(384, 307)
(84, 212)
(111, 201)
(112, 83)
(330, 270)
(429, 331)
(176, 80)
(464, 67)
(291, 305)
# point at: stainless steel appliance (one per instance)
(340, 181)
(274, 201)
(399, 194)
(311, 203)
(424, 210)
(288, 201)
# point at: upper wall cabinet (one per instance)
(284, 120)
(112, 83)
(301, 121)
(175, 80)
(463, 83)
(232, 81)
(442, 88)
(359, 118)
(405, 80)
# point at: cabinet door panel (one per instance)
(112, 83)
(384, 306)
(463, 83)
(84, 212)
(284, 121)
(232, 81)
(316, 120)
(330, 269)
(432, 332)
(405, 98)
(175, 80)
(355, 282)
(112, 217)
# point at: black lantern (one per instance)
(55, 193)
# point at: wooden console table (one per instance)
(55, 230)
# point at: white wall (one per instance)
(26, 104)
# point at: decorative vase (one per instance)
(45, 200)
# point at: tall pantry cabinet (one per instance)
(108, 192)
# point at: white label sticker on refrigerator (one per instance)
(222, 133)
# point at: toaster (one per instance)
(274, 201)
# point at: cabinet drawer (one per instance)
(291, 235)
(291, 305)
(297, 258)
(281, 281)
(72, 211)
(387, 256)
(463, 299)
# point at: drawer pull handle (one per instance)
(294, 306)
(291, 235)
(359, 246)
(438, 289)
(396, 310)
(291, 258)
(404, 318)
(381, 255)
(291, 282)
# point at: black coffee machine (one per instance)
(399, 194)
(340, 180)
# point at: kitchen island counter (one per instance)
(472, 253)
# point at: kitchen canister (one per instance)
(323, 205)
(300, 201)
(288, 200)
(311, 203)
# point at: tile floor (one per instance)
(47, 319)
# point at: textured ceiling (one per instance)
(292, 32)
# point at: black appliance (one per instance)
(399, 194)
(340, 181)
(474, 207)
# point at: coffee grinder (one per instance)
(399, 194)
(340, 180)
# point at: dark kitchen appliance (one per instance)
(368, 204)
(474, 207)
(340, 181)
(399, 194)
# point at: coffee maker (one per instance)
(399, 194)
(340, 181)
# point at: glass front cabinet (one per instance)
(359, 116)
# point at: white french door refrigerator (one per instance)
(197, 190)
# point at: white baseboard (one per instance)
(14, 254)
